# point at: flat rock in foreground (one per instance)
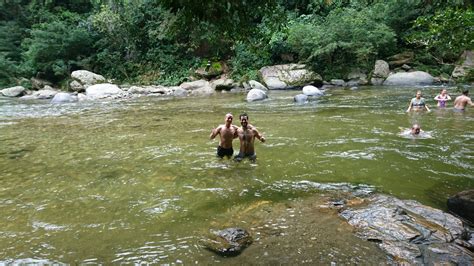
(411, 232)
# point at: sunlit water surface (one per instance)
(137, 181)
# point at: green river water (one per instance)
(137, 180)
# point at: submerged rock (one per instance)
(300, 98)
(229, 241)
(462, 204)
(16, 91)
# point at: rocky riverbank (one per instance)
(86, 85)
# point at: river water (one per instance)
(137, 181)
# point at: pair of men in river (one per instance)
(246, 134)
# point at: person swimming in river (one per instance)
(247, 134)
(415, 131)
(228, 133)
(442, 98)
(418, 103)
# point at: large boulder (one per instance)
(381, 69)
(76, 86)
(409, 231)
(288, 76)
(310, 90)
(409, 79)
(465, 65)
(257, 85)
(256, 95)
(103, 90)
(63, 97)
(198, 87)
(87, 78)
(16, 91)
(462, 204)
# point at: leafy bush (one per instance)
(247, 60)
(58, 46)
(445, 34)
(346, 38)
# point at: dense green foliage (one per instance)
(162, 42)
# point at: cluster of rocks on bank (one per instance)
(86, 85)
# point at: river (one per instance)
(137, 180)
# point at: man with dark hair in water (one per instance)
(227, 133)
(462, 100)
(247, 134)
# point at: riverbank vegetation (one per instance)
(160, 42)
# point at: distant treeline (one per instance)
(161, 41)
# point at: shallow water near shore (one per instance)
(137, 181)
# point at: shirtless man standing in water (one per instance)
(462, 100)
(247, 134)
(227, 133)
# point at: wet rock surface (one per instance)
(229, 241)
(411, 232)
(462, 204)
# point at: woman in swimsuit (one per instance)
(418, 103)
(442, 98)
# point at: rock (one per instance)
(201, 86)
(44, 94)
(103, 90)
(257, 85)
(310, 90)
(301, 98)
(81, 97)
(377, 81)
(409, 231)
(256, 95)
(288, 76)
(401, 59)
(356, 77)
(381, 69)
(38, 84)
(148, 90)
(76, 86)
(16, 91)
(409, 79)
(229, 241)
(466, 64)
(338, 82)
(63, 97)
(223, 84)
(87, 78)
(180, 92)
(405, 67)
(462, 204)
